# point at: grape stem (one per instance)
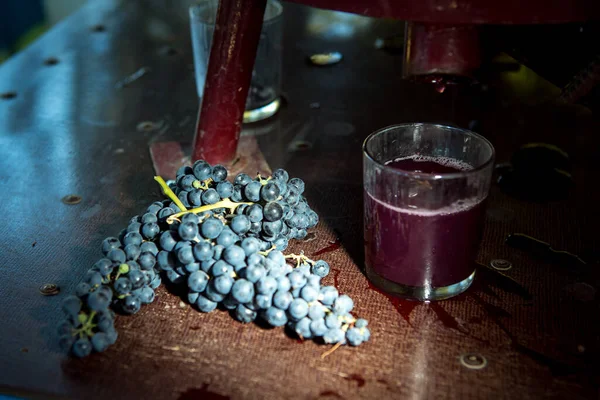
(331, 350)
(226, 203)
(167, 190)
(266, 252)
(87, 326)
(202, 184)
(299, 258)
(262, 180)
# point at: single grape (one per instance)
(202, 170)
(197, 281)
(269, 192)
(254, 259)
(150, 231)
(183, 197)
(134, 227)
(104, 266)
(175, 276)
(117, 255)
(254, 273)
(109, 244)
(252, 191)
(272, 228)
(149, 218)
(221, 267)
(203, 251)
(100, 342)
(275, 316)
(223, 284)
(204, 304)
(334, 335)
(242, 179)
(309, 293)
(298, 184)
(211, 228)
(333, 321)
(282, 187)
(219, 173)
(192, 297)
(361, 323)
(244, 314)
(185, 254)
(147, 260)
(343, 304)
(266, 285)
(225, 189)
(328, 295)
(206, 265)
(229, 303)
(314, 281)
(191, 267)
(298, 309)
(210, 196)
(281, 243)
(283, 284)
(316, 311)
(254, 213)
(155, 207)
(281, 175)
(241, 209)
(242, 291)
(318, 328)
(93, 277)
(320, 268)
(234, 255)
(354, 336)
(188, 230)
(297, 279)
(71, 306)
(301, 207)
(282, 299)
(168, 240)
(237, 194)
(184, 170)
(240, 224)
(82, 348)
(227, 238)
(302, 328)
(131, 304)
(195, 197)
(255, 227)
(273, 211)
(149, 247)
(123, 285)
(292, 197)
(263, 301)
(165, 212)
(82, 289)
(98, 301)
(136, 278)
(132, 251)
(166, 260)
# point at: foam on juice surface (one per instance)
(445, 161)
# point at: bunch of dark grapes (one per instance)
(275, 210)
(222, 268)
(224, 241)
(123, 280)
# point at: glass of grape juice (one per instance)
(425, 188)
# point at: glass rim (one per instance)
(424, 175)
(276, 3)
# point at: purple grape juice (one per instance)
(417, 247)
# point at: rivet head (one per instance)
(71, 199)
(473, 361)
(501, 265)
(49, 289)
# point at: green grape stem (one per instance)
(226, 203)
(167, 190)
(87, 326)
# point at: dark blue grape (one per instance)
(273, 211)
(320, 268)
(203, 251)
(197, 281)
(155, 207)
(134, 227)
(136, 278)
(292, 197)
(147, 260)
(298, 184)
(242, 179)
(252, 191)
(104, 266)
(281, 243)
(192, 297)
(183, 197)
(166, 260)
(211, 228)
(82, 348)
(131, 304)
(281, 175)
(98, 301)
(195, 197)
(187, 182)
(210, 196)
(156, 281)
(242, 291)
(133, 238)
(250, 245)
(298, 309)
(93, 277)
(204, 304)
(240, 210)
(168, 240)
(269, 191)
(165, 212)
(266, 285)
(343, 304)
(190, 218)
(123, 285)
(240, 224)
(282, 299)
(212, 294)
(132, 251)
(188, 230)
(237, 194)
(207, 264)
(185, 253)
(227, 238)
(148, 218)
(202, 170)
(82, 289)
(184, 170)
(150, 231)
(244, 314)
(229, 303)
(318, 327)
(219, 173)
(234, 255)
(255, 227)
(218, 251)
(175, 277)
(254, 272)
(272, 228)
(275, 316)
(254, 213)
(263, 301)
(109, 244)
(223, 284)
(225, 189)
(100, 342)
(191, 267)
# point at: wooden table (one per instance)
(70, 128)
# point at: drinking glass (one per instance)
(425, 188)
(265, 88)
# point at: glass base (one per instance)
(419, 293)
(264, 112)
